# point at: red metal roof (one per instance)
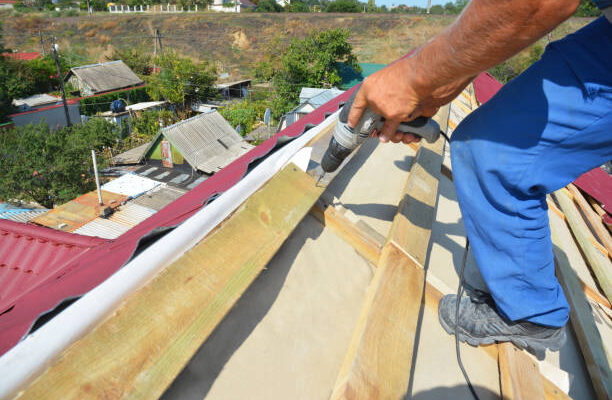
(20, 56)
(72, 276)
(486, 86)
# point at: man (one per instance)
(539, 133)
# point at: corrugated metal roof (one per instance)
(308, 93)
(106, 76)
(159, 197)
(133, 156)
(22, 215)
(144, 105)
(130, 185)
(76, 213)
(30, 254)
(207, 141)
(323, 97)
(122, 220)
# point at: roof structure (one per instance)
(104, 77)
(20, 56)
(35, 101)
(206, 141)
(78, 212)
(29, 255)
(159, 197)
(132, 156)
(19, 214)
(130, 185)
(316, 98)
(276, 304)
(122, 220)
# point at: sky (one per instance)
(420, 3)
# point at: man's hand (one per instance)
(391, 93)
(485, 34)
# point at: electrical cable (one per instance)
(460, 291)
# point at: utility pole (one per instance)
(88, 8)
(42, 45)
(159, 38)
(61, 80)
(156, 41)
(428, 6)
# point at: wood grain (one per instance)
(519, 374)
(378, 361)
(600, 264)
(594, 219)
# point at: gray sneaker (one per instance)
(479, 323)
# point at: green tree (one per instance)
(311, 62)
(268, 6)
(51, 167)
(343, 6)
(587, 9)
(180, 81)
(298, 6)
(138, 61)
(245, 114)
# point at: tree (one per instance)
(51, 167)
(343, 6)
(298, 6)
(311, 62)
(269, 6)
(138, 61)
(245, 114)
(180, 81)
(587, 9)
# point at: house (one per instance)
(21, 56)
(206, 142)
(231, 6)
(310, 100)
(52, 113)
(118, 118)
(103, 77)
(36, 102)
(7, 4)
(236, 89)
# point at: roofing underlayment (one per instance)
(287, 336)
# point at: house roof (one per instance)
(20, 214)
(145, 105)
(317, 97)
(74, 276)
(75, 213)
(106, 76)
(122, 220)
(132, 156)
(130, 185)
(207, 141)
(36, 100)
(20, 56)
(159, 197)
(29, 255)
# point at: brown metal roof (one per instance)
(78, 212)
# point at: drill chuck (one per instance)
(333, 157)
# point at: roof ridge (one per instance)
(48, 234)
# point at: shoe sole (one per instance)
(537, 346)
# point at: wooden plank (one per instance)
(378, 361)
(359, 238)
(139, 350)
(589, 338)
(600, 264)
(595, 220)
(519, 374)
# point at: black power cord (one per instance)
(460, 291)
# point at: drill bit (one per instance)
(319, 180)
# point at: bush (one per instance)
(343, 6)
(244, 114)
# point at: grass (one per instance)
(238, 42)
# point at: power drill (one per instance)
(346, 139)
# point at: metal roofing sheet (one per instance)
(308, 93)
(36, 100)
(77, 275)
(22, 215)
(125, 218)
(31, 254)
(130, 185)
(133, 156)
(324, 97)
(78, 212)
(207, 141)
(106, 76)
(159, 197)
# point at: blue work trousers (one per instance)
(537, 134)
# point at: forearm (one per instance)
(487, 33)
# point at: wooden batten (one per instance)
(599, 263)
(379, 358)
(594, 219)
(597, 359)
(519, 375)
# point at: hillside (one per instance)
(234, 42)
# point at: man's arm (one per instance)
(485, 34)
